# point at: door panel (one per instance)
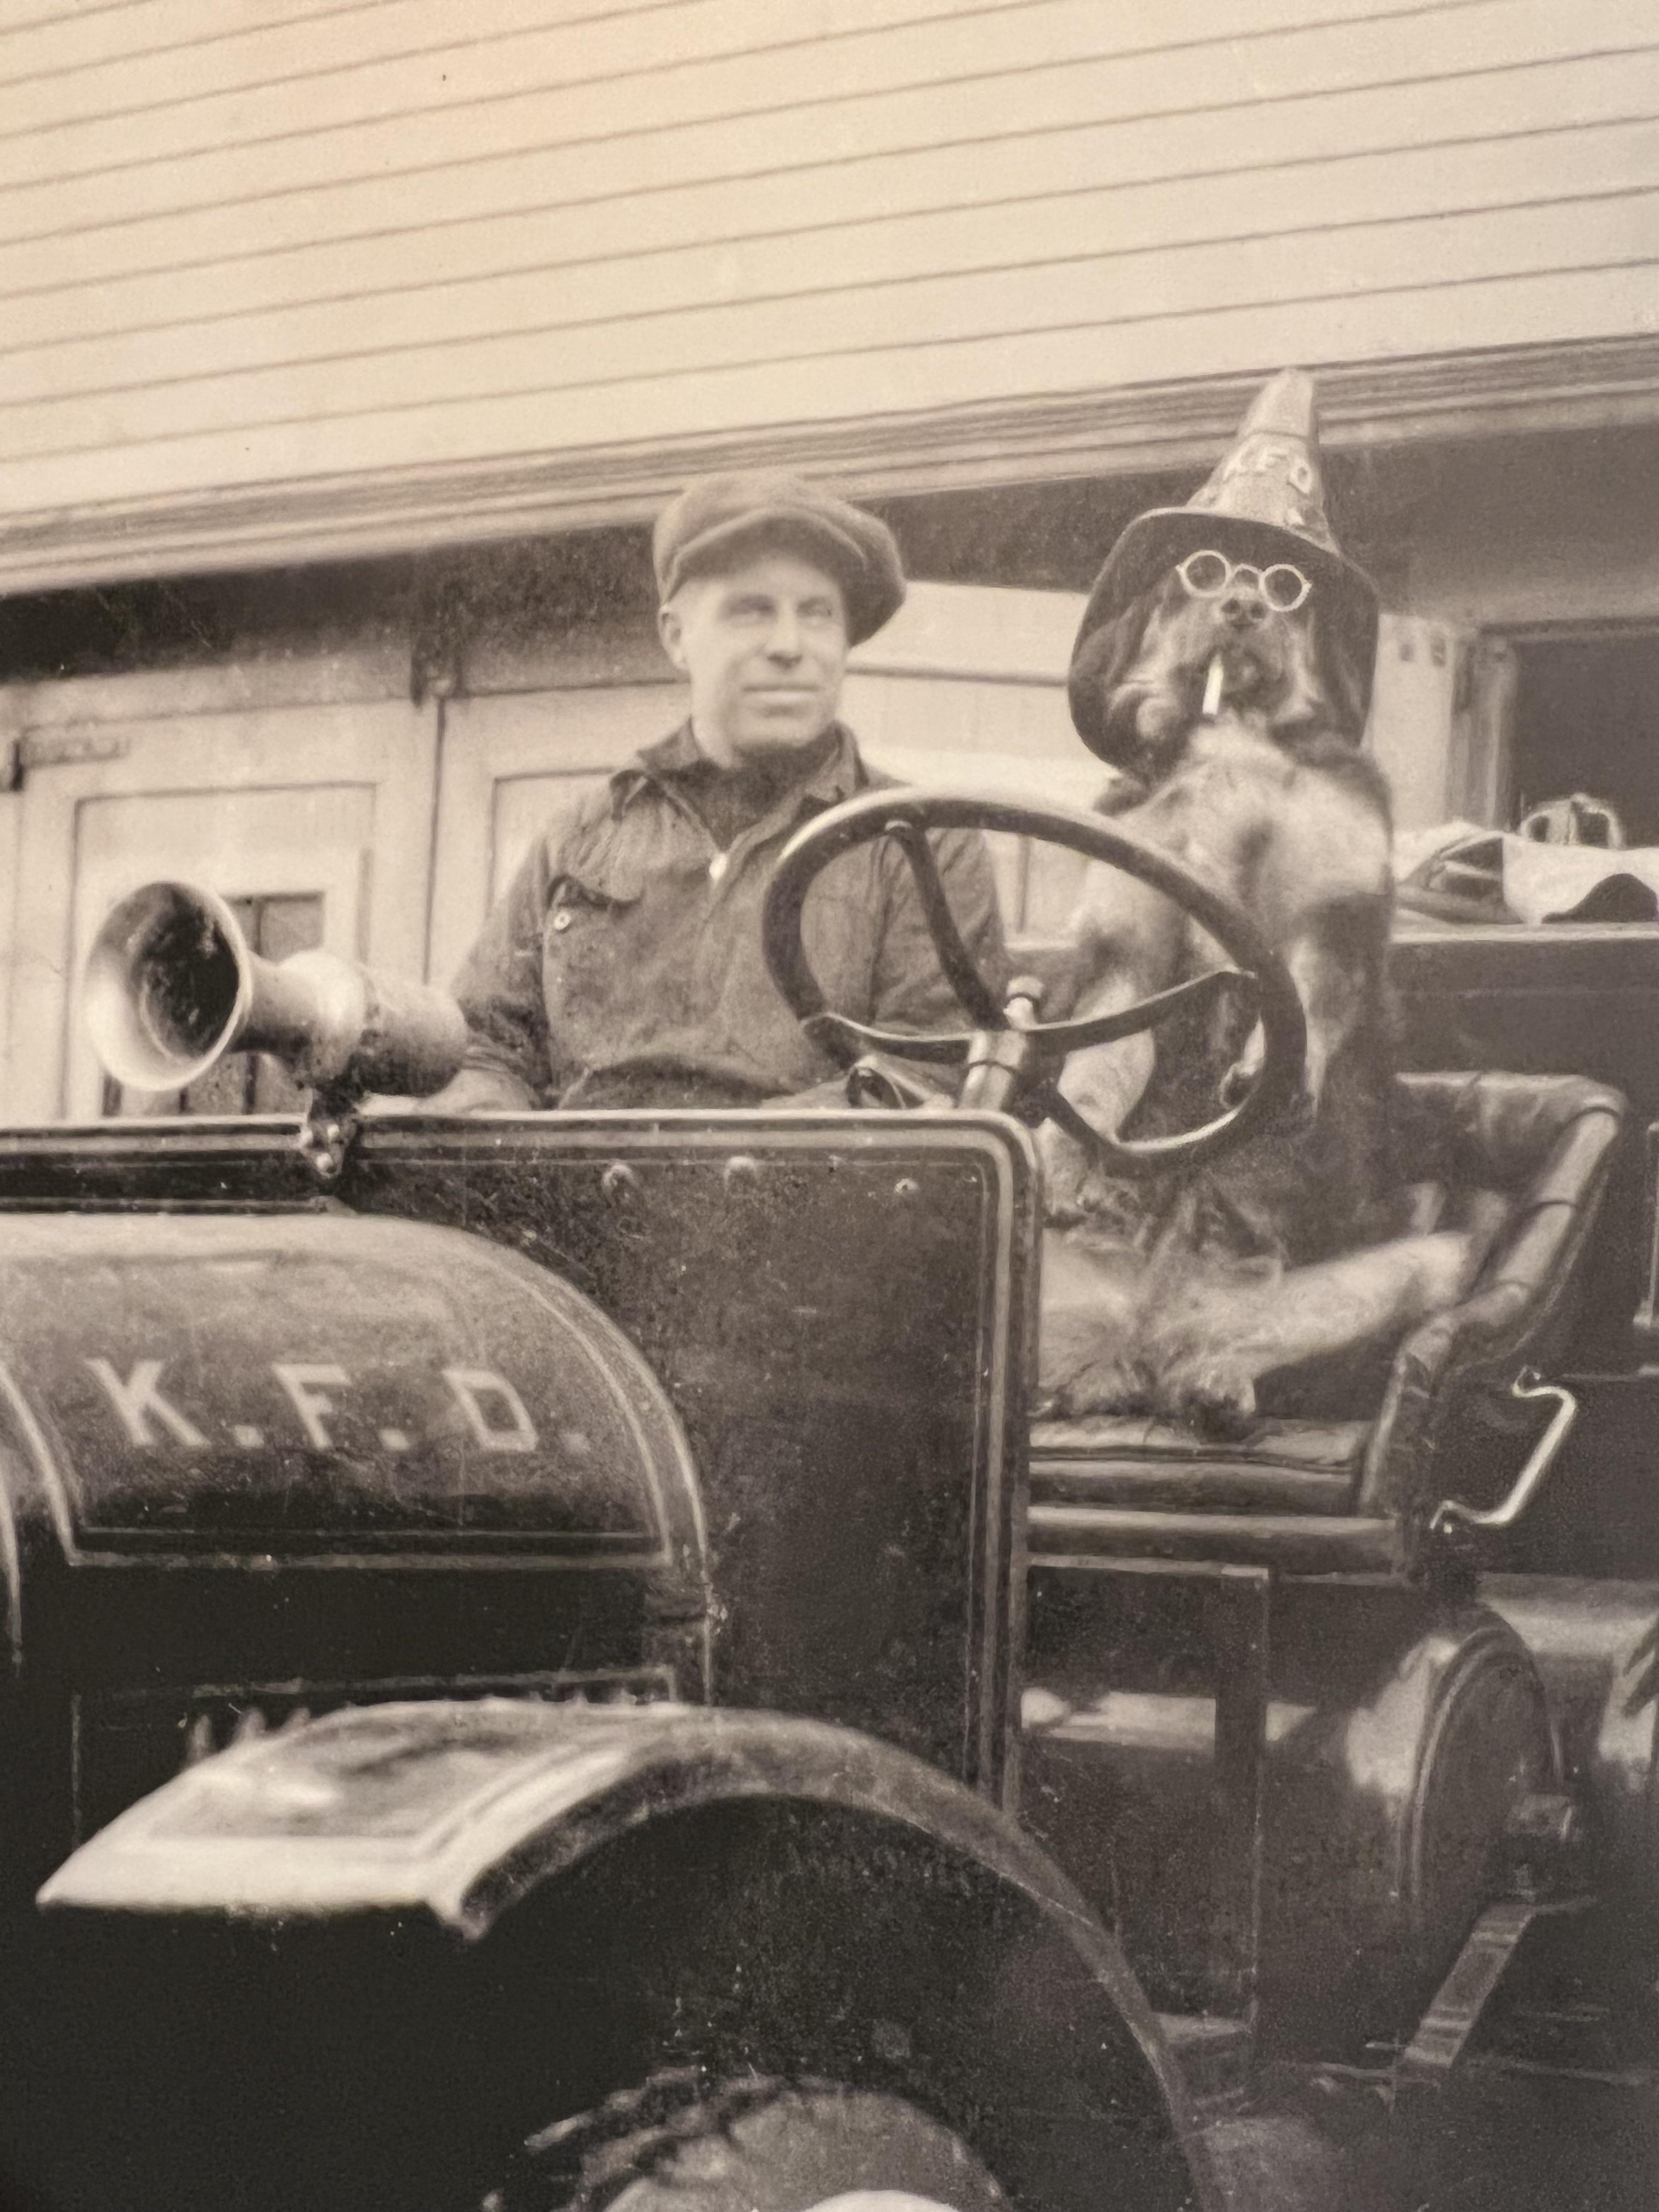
(314, 804)
(511, 761)
(521, 806)
(1008, 741)
(1483, 732)
(11, 825)
(1036, 884)
(966, 687)
(1419, 661)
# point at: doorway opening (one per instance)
(1587, 720)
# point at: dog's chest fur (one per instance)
(1291, 1195)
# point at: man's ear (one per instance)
(670, 629)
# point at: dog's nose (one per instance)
(1243, 608)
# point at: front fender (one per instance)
(461, 1808)
(482, 1816)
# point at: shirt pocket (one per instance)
(586, 942)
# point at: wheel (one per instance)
(1019, 1066)
(748, 2146)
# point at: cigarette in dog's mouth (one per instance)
(1213, 684)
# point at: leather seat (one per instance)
(1341, 1496)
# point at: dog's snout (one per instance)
(1243, 608)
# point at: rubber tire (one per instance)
(777, 2146)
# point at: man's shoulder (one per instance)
(570, 829)
(587, 810)
(599, 805)
(604, 835)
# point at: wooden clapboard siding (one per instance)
(881, 205)
(554, 147)
(593, 140)
(1113, 228)
(1227, 304)
(609, 72)
(1121, 225)
(52, 45)
(246, 245)
(356, 61)
(570, 86)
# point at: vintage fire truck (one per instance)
(546, 1661)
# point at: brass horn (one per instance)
(171, 987)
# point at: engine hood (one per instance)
(293, 1384)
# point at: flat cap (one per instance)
(718, 521)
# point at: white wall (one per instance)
(238, 256)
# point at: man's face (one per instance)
(763, 645)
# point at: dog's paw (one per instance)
(1101, 1385)
(1209, 1393)
(1160, 716)
(1065, 1176)
(1123, 793)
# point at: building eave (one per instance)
(1139, 429)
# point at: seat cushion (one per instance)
(1066, 1536)
(1130, 1461)
(1129, 1485)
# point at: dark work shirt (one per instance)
(624, 968)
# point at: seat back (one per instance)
(1549, 1143)
(1341, 1496)
(1561, 999)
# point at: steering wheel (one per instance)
(1007, 1036)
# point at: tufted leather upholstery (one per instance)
(1331, 1496)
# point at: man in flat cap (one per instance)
(623, 967)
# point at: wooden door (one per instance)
(966, 688)
(511, 761)
(1482, 774)
(318, 816)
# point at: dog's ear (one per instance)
(1098, 666)
(1346, 688)
(1303, 703)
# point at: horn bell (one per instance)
(171, 985)
(168, 987)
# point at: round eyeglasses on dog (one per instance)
(1207, 575)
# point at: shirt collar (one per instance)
(837, 776)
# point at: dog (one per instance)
(1178, 1295)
